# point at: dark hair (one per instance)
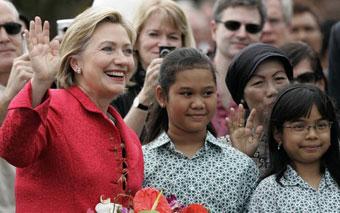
(178, 60)
(245, 63)
(300, 8)
(326, 27)
(298, 51)
(25, 20)
(221, 5)
(294, 102)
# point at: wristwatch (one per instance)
(139, 105)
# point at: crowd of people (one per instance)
(243, 120)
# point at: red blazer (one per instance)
(68, 152)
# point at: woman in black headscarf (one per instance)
(254, 79)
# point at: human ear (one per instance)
(75, 64)
(160, 97)
(213, 27)
(277, 136)
(321, 84)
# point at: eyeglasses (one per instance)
(235, 25)
(11, 28)
(320, 126)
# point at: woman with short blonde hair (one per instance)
(78, 35)
(168, 11)
(70, 147)
(159, 24)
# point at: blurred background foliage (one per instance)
(51, 10)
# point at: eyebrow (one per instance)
(303, 119)
(261, 76)
(189, 88)
(157, 30)
(113, 43)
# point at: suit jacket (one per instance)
(334, 64)
(68, 152)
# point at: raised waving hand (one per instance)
(245, 135)
(44, 57)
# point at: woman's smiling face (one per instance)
(191, 101)
(106, 62)
(308, 146)
(155, 33)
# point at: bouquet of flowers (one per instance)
(150, 200)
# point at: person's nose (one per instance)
(311, 131)
(122, 59)
(266, 27)
(272, 89)
(3, 35)
(242, 32)
(164, 41)
(197, 103)
(301, 35)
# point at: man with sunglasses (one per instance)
(15, 70)
(236, 24)
(15, 65)
(10, 39)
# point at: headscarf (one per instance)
(245, 64)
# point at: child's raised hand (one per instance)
(244, 136)
(43, 53)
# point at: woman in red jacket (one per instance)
(69, 144)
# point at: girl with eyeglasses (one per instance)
(303, 138)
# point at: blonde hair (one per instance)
(171, 12)
(78, 35)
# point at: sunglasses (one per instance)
(235, 25)
(308, 77)
(11, 28)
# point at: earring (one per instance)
(78, 70)
(279, 146)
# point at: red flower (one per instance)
(145, 198)
(195, 208)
